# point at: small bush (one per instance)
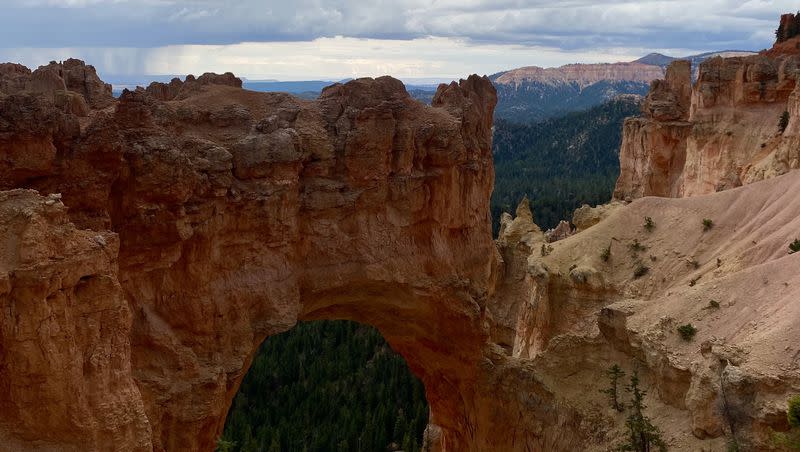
(693, 281)
(694, 264)
(707, 224)
(784, 121)
(794, 246)
(606, 254)
(713, 304)
(793, 413)
(687, 331)
(649, 225)
(640, 271)
(636, 247)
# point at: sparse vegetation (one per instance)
(636, 247)
(640, 270)
(693, 281)
(784, 121)
(793, 413)
(713, 304)
(794, 246)
(707, 224)
(606, 254)
(614, 374)
(790, 439)
(642, 435)
(687, 332)
(694, 264)
(649, 224)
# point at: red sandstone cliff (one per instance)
(176, 228)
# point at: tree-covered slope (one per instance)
(560, 163)
(327, 386)
(537, 101)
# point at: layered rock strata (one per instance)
(720, 133)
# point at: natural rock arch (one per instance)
(223, 216)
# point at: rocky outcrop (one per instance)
(717, 134)
(72, 86)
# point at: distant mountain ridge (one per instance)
(581, 74)
(659, 59)
(532, 93)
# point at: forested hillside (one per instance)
(327, 386)
(535, 101)
(560, 163)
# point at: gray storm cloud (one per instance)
(569, 25)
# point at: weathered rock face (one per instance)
(718, 134)
(168, 239)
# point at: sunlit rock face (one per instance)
(720, 133)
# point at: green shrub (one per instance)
(606, 254)
(636, 247)
(707, 224)
(794, 246)
(649, 225)
(687, 331)
(793, 414)
(640, 270)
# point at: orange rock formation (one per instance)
(718, 134)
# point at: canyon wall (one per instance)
(717, 134)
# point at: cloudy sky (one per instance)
(332, 39)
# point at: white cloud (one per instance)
(328, 58)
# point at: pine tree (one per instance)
(614, 374)
(643, 436)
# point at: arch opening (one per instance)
(327, 385)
